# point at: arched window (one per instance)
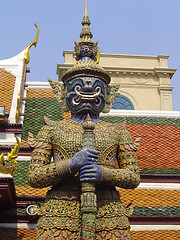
(122, 102)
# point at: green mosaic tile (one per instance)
(160, 171)
(144, 120)
(156, 211)
(20, 177)
(35, 110)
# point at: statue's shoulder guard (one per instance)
(43, 139)
(49, 122)
(126, 142)
(52, 123)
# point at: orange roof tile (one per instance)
(7, 81)
(40, 93)
(150, 197)
(29, 191)
(155, 235)
(160, 145)
(66, 115)
(13, 233)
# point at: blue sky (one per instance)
(142, 27)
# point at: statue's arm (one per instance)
(128, 174)
(43, 173)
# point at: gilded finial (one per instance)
(85, 9)
(86, 32)
(11, 160)
(26, 54)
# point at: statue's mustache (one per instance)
(87, 95)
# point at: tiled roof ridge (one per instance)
(40, 93)
(162, 121)
(150, 235)
(142, 113)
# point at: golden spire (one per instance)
(85, 9)
(86, 32)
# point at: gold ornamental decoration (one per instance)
(11, 160)
(18, 108)
(26, 54)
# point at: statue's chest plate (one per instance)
(68, 141)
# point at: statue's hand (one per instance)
(84, 157)
(90, 173)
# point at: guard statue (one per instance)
(83, 202)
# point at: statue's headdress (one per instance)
(87, 54)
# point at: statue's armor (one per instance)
(60, 215)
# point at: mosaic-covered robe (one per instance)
(60, 216)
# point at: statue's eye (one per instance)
(98, 88)
(77, 88)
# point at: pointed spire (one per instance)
(85, 9)
(86, 32)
